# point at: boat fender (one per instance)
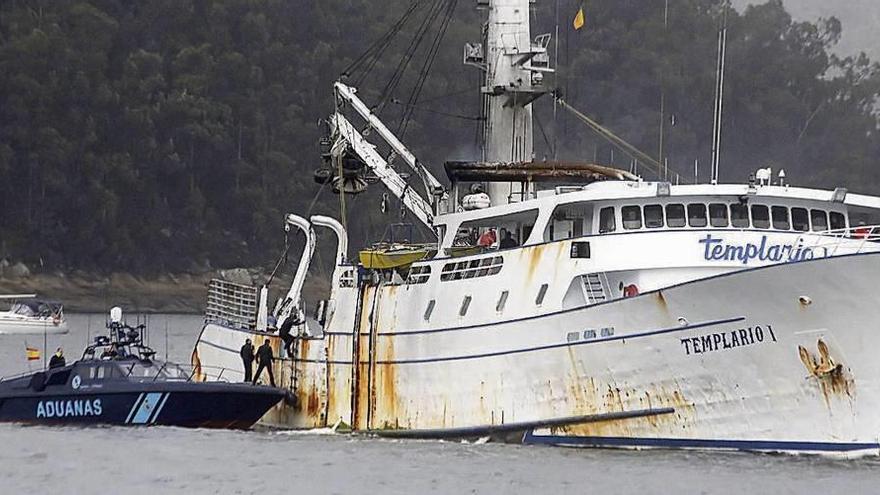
(290, 399)
(631, 290)
(38, 382)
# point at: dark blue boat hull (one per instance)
(197, 405)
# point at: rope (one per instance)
(426, 67)
(617, 141)
(283, 258)
(544, 134)
(438, 112)
(374, 52)
(396, 77)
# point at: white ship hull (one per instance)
(18, 325)
(778, 358)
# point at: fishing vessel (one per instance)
(603, 310)
(119, 381)
(30, 315)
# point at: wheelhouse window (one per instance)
(607, 222)
(654, 216)
(760, 217)
(511, 230)
(780, 218)
(800, 219)
(569, 220)
(675, 215)
(838, 220)
(718, 215)
(739, 216)
(632, 217)
(819, 220)
(696, 215)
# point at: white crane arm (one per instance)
(432, 185)
(343, 130)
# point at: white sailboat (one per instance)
(29, 315)
(607, 310)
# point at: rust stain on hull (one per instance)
(386, 412)
(833, 378)
(612, 398)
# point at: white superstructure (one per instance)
(606, 313)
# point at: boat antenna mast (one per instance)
(514, 65)
(719, 94)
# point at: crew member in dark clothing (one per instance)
(264, 360)
(507, 241)
(57, 360)
(284, 333)
(247, 358)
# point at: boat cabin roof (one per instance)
(537, 212)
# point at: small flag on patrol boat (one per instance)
(33, 354)
(579, 18)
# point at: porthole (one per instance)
(541, 293)
(501, 302)
(465, 304)
(429, 309)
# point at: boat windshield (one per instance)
(153, 370)
(22, 309)
(35, 308)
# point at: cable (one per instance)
(544, 134)
(375, 50)
(392, 84)
(438, 112)
(615, 140)
(426, 67)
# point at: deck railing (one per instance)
(232, 304)
(855, 239)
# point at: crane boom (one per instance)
(348, 137)
(432, 186)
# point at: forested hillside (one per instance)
(174, 134)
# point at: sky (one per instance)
(860, 20)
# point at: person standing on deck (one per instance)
(488, 238)
(57, 360)
(264, 360)
(247, 358)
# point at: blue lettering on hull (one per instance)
(718, 250)
(70, 408)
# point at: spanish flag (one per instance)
(579, 18)
(33, 354)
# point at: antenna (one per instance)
(719, 95)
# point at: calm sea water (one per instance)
(176, 460)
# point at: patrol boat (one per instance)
(118, 381)
(620, 312)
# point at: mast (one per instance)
(719, 98)
(514, 66)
